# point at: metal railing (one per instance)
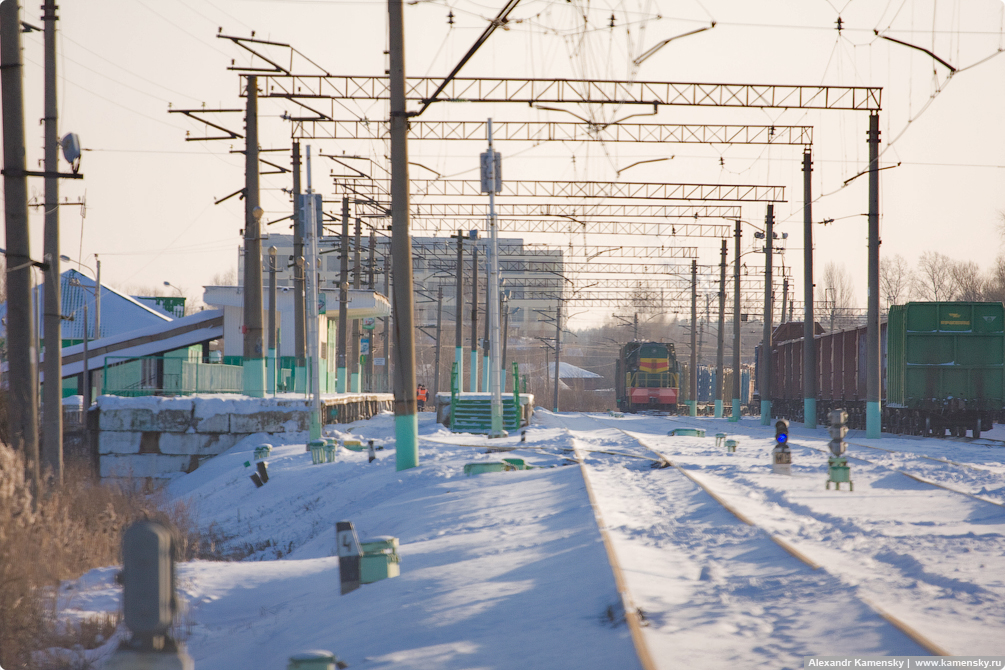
(166, 375)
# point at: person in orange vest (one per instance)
(421, 396)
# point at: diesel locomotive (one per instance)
(647, 377)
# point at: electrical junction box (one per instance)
(380, 559)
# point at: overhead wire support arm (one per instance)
(193, 114)
(952, 69)
(496, 22)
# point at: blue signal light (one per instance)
(782, 438)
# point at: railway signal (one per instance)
(781, 457)
(837, 463)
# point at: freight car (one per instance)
(941, 370)
(647, 377)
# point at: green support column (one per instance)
(734, 415)
(718, 408)
(254, 377)
(406, 431)
(692, 407)
(765, 412)
(873, 420)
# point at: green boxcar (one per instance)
(947, 358)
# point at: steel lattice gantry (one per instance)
(560, 131)
(560, 266)
(557, 91)
(571, 224)
(581, 189)
(444, 246)
(475, 210)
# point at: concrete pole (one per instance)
(809, 333)
(343, 303)
(309, 217)
(372, 264)
(254, 353)
(486, 343)
(692, 377)
(299, 299)
(439, 331)
(636, 331)
(272, 369)
(493, 363)
(873, 408)
(52, 391)
(387, 323)
(504, 306)
(459, 312)
(735, 411)
(85, 374)
(785, 298)
(357, 273)
(97, 298)
(558, 351)
(474, 322)
(765, 362)
(406, 422)
(720, 369)
(21, 336)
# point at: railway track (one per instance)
(818, 558)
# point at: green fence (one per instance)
(168, 375)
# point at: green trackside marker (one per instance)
(734, 414)
(718, 409)
(692, 407)
(340, 383)
(354, 382)
(270, 372)
(315, 432)
(810, 412)
(406, 435)
(474, 372)
(873, 420)
(459, 362)
(765, 412)
(300, 382)
(254, 377)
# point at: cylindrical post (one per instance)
(21, 333)
(636, 330)
(52, 391)
(439, 331)
(493, 367)
(809, 325)
(486, 329)
(85, 374)
(341, 356)
(254, 354)
(387, 321)
(558, 350)
(474, 321)
(459, 312)
(764, 365)
(371, 267)
(504, 306)
(720, 366)
(299, 298)
(406, 422)
(354, 374)
(272, 367)
(873, 408)
(692, 377)
(734, 414)
(309, 217)
(785, 298)
(97, 297)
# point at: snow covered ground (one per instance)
(508, 569)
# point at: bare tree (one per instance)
(840, 289)
(934, 280)
(995, 289)
(969, 281)
(895, 280)
(225, 278)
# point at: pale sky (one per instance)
(150, 215)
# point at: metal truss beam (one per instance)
(573, 211)
(430, 251)
(569, 268)
(580, 189)
(571, 225)
(561, 131)
(576, 91)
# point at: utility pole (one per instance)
(493, 181)
(299, 298)
(474, 322)
(636, 336)
(459, 312)
(809, 326)
(372, 261)
(52, 391)
(309, 217)
(692, 385)
(343, 301)
(357, 272)
(505, 338)
(720, 370)
(406, 422)
(873, 408)
(387, 322)
(558, 350)
(765, 362)
(785, 298)
(486, 343)
(21, 335)
(439, 331)
(254, 355)
(734, 414)
(272, 367)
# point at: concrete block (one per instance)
(127, 419)
(118, 442)
(144, 465)
(201, 444)
(216, 423)
(173, 420)
(263, 422)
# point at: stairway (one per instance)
(474, 414)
